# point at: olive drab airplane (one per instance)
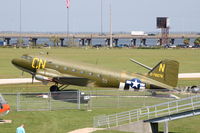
(163, 76)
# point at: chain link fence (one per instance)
(85, 100)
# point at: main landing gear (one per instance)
(55, 88)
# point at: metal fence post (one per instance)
(116, 120)
(49, 101)
(90, 101)
(192, 103)
(177, 106)
(155, 111)
(169, 112)
(137, 114)
(118, 99)
(148, 112)
(129, 117)
(108, 122)
(79, 99)
(18, 103)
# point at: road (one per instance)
(17, 81)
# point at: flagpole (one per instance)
(68, 5)
(20, 22)
(101, 17)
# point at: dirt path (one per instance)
(86, 130)
(17, 81)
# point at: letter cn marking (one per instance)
(38, 63)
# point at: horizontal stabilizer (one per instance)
(145, 66)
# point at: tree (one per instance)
(20, 41)
(55, 40)
(186, 41)
(197, 41)
(70, 42)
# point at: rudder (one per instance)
(166, 72)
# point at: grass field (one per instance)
(117, 59)
(63, 121)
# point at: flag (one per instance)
(67, 3)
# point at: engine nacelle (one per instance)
(41, 78)
(48, 72)
(135, 84)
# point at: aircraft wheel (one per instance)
(54, 88)
(154, 93)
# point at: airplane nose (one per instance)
(14, 61)
(22, 64)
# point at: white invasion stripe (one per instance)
(189, 75)
(17, 81)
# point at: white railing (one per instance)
(148, 112)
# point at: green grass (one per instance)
(188, 58)
(62, 121)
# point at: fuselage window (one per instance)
(81, 72)
(98, 75)
(23, 57)
(29, 58)
(26, 57)
(65, 68)
(73, 70)
(90, 73)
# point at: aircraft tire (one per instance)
(54, 88)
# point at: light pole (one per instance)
(111, 25)
(101, 17)
(20, 21)
(68, 25)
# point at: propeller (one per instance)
(33, 77)
(22, 73)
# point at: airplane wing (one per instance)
(55, 76)
(71, 80)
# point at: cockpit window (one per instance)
(26, 57)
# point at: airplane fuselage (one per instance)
(97, 76)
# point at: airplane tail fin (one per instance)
(166, 72)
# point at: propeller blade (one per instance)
(22, 73)
(33, 77)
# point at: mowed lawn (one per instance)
(63, 121)
(113, 59)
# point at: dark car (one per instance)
(121, 45)
(97, 45)
(196, 46)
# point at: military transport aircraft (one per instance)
(163, 76)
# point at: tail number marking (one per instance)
(161, 68)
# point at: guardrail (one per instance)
(148, 112)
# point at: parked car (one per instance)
(121, 45)
(97, 45)
(196, 46)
